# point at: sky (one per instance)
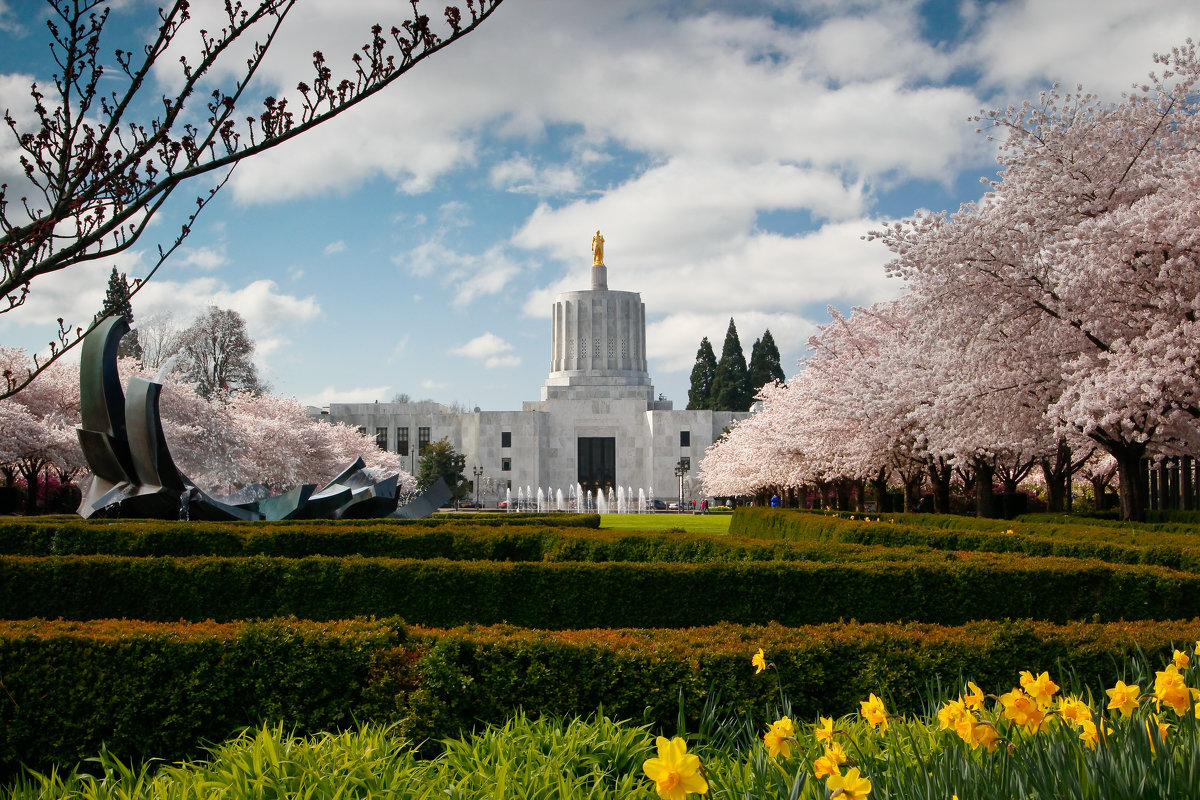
(734, 154)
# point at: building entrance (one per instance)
(597, 459)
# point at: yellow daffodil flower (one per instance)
(780, 737)
(850, 786)
(1181, 659)
(974, 697)
(759, 661)
(675, 772)
(829, 763)
(1023, 710)
(1171, 689)
(984, 735)
(824, 732)
(1124, 698)
(1041, 688)
(951, 714)
(873, 711)
(1074, 710)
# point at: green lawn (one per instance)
(667, 520)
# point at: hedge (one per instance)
(162, 690)
(1069, 540)
(456, 542)
(950, 590)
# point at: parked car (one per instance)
(658, 505)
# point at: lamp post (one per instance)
(478, 473)
(681, 469)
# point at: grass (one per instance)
(667, 521)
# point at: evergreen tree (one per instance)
(700, 395)
(731, 382)
(116, 302)
(764, 362)
(441, 460)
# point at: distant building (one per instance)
(597, 423)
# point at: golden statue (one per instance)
(598, 250)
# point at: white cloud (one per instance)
(205, 258)
(1104, 44)
(489, 348)
(468, 276)
(358, 394)
(519, 175)
(335, 247)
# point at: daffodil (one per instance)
(873, 711)
(1041, 688)
(1022, 709)
(984, 735)
(759, 661)
(1124, 698)
(951, 714)
(1074, 710)
(1181, 659)
(780, 737)
(974, 697)
(824, 732)
(675, 772)
(829, 762)
(1171, 689)
(850, 786)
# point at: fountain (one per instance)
(621, 500)
(541, 501)
(558, 501)
(579, 506)
(641, 501)
(508, 500)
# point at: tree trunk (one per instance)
(1057, 476)
(1129, 471)
(30, 473)
(939, 479)
(985, 497)
(879, 487)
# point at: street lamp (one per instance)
(681, 469)
(477, 472)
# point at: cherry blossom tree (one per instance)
(1080, 266)
(37, 428)
(108, 148)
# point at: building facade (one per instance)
(596, 426)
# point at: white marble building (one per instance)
(597, 423)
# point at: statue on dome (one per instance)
(597, 250)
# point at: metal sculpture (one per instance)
(134, 475)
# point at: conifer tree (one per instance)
(764, 362)
(116, 302)
(731, 383)
(700, 395)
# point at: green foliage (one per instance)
(441, 460)
(153, 690)
(117, 303)
(764, 362)
(1170, 545)
(731, 389)
(700, 394)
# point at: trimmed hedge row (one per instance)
(1166, 549)
(459, 542)
(151, 690)
(952, 590)
(162, 690)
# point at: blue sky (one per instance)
(732, 153)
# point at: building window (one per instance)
(402, 441)
(381, 438)
(506, 465)
(506, 438)
(422, 440)
(612, 348)
(362, 429)
(685, 438)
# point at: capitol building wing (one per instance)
(597, 423)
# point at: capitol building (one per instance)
(597, 424)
